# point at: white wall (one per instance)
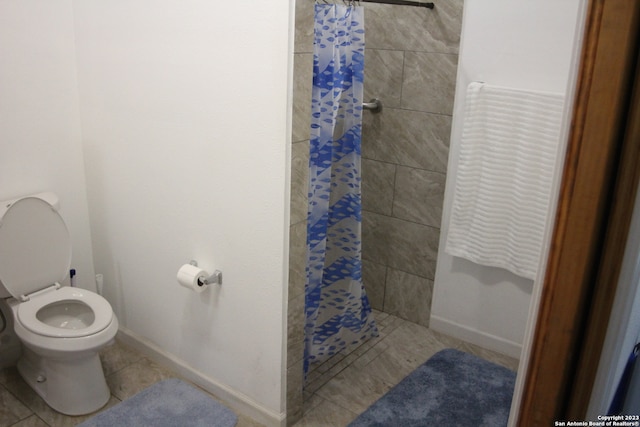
(40, 147)
(521, 44)
(184, 121)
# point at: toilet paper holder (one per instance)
(215, 278)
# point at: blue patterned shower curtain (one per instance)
(338, 314)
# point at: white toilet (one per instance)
(61, 327)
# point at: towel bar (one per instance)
(374, 105)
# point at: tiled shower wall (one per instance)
(410, 65)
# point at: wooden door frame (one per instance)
(591, 223)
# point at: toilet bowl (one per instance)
(61, 328)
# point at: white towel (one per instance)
(503, 183)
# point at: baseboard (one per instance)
(473, 336)
(236, 400)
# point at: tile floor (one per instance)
(127, 372)
(337, 391)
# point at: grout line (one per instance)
(386, 274)
(405, 220)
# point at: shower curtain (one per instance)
(338, 314)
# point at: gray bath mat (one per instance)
(169, 403)
(451, 389)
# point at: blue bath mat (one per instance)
(451, 389)
(169, 403)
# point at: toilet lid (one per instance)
(35, 247)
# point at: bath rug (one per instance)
(168, 403)
(452, 388)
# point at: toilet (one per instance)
(61, 328)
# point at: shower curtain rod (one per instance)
(402, 3)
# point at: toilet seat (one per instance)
(27, 312)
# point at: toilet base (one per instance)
(74, 386)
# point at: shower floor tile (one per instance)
(341, 388)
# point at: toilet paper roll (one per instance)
(188, 276)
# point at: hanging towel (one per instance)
(503, 182)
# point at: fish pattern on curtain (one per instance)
(338, 314)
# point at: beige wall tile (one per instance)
(373, 277)
(408, 296)
(302, 86)
(445, 26)
(377, 186)
(399, 28)
(295, 330)
(414, 29)
(299, 181)
(400, 244)
(419, 195)
(294, 392)
(297, 259)
(429, 82)
(303, 37)
(408, 138)
(383, 76)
